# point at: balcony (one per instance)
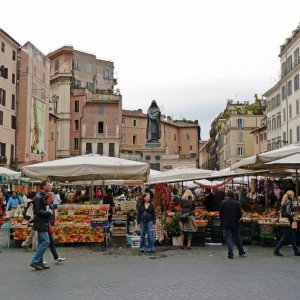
(105, 96)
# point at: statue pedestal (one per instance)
(153, 155)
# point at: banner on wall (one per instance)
(37, 126)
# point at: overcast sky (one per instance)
(190, 56)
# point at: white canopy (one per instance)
(9, 173)
(292, 161)
(257, 161)
(179, 174)
(88, 167)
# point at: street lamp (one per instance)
(42, 154)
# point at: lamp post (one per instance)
(42, 154)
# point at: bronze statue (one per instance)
(153, 123)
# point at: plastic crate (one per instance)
(135, 242)
(95, 223)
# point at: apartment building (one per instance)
(283, 115)
(33, 105)
(231, 137)
(88, 109)
(9, 60)
(180, 139)
(260, 143)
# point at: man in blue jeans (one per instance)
(230, 215)
(41, 221)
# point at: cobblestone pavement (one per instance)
(120, 273)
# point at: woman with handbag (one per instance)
(187, 222)
(287, 231)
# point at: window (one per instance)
(14, 55)
(298, 134)
(269, 125)
(89, 68)
(90, 86)
(13, 122)
(76, 123)
(278, 100)
(291, 136)
(101, 109)
(191, 148)
(289, 88)
(134, 123)
(283, 93)
(261, 137)
(290, 111)
(88, 148)
(52, 136)
(278, 121)
(240, 151)
(175, 137)
(34, 71)
(77, 83)
(123, 121)
(265, 136)
(289, 63)
(77, 106)
(187, 136)
(240, 136)
(296, 82)
(76, 144)
(44, 78)
(13, 78)
(240, 123)
(284, 116)
(55, 107)
(2, 47)
(273, 123)
(100, 127)
(273, 103)
(106, 74)
(12, 153)
(284, 137)
(296, 57)
(283, 69)
(56, 66)
(13, 102)
(77, 64)
(111, 148)
(100, 148)
(1, 117)
(2, 149)
(2, 97)
(257, 139)
(123, 138)
(134, 139)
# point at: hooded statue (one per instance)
(153, 123)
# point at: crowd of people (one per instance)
(39, 211)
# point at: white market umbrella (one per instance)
(88, 167)
(9, 173)
(178, 175)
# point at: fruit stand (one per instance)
(73, 224)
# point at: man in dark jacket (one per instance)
(41, 221)
(230, 214)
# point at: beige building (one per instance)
(260, 140)
(283, 108)
(180, 139)
(88, 108)
(33, 105)
(9, 53)
(230, 136)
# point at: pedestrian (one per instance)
(146, 219)
(287, 231)
(188, 226)
(13, 201)
(56, 257)
(109, 199)
(28, 214)
(230, 215)
(57, 200)
(2, 210)
(41, 221)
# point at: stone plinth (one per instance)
(154, 157)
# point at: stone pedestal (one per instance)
(154, 157)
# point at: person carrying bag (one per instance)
(287, 231)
